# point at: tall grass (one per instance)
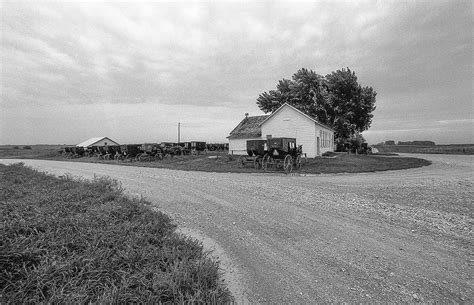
(66, 240)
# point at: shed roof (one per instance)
(249, 127)
(94, 140)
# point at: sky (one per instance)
(73, 70)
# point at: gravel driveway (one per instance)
(397, 236)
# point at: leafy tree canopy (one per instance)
(336, 100)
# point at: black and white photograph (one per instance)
(236, 152)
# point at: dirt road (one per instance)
(399, 236)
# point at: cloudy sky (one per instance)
(71, 70)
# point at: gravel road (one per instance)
(396, 236)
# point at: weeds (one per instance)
(71, 240)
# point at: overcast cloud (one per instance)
(131, 71)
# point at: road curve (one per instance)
(396, 236)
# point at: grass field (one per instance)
(343, 163)
(78, 241)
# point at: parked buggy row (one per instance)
(143, 152)
(273, 153)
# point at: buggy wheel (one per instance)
(257, 162)
(298, 162)
(241, 161)
(137, 157)
(266, 162)
(288, 164)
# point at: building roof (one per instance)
(92, 141)
(297, 110)
(249, 127)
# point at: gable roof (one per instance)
(297, 110)
(92, 141)
(249, 127)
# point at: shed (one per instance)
(248, 129)
(98, 141)
(286, 121)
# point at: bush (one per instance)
(16, 147)
(27, 147)
(329, 154)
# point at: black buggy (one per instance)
(150, 152)
(283, 152)
(129, 152)
(256, 150)
(273, 153)
(193, 148)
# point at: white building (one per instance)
(98, 141)
(288, 122)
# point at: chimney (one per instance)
(247, 115)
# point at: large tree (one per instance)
(336, 99)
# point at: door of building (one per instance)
(318, 147)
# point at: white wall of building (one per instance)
(326, 139)
(291, 124)
(238, 146)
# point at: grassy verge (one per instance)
(77, 241)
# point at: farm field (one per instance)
(214, 162)
(456, 149)
(81, 241)
(388, 237)
(30, 151)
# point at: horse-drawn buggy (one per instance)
(283, 152)
(193, 148)
(217, 146)
(104, 152)
(150, 152)
(273, 153)
(170, 149)
(129, 152)
(67, 151)
(74, 152)
(256, 150)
